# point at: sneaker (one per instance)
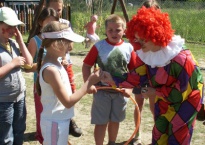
(74, 130)
(111, 143)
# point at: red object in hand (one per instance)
(70, 73)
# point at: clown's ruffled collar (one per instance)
(162, 57)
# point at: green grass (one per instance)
(186, 21)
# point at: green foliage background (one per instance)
(187, 17)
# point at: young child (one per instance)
(47, 15)
(53, 84)
(90, 27)
(66, 61)
(151, 3)
(58, 6)
(13, 88)
(175, 80)
(114, 55)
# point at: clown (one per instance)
(175, 80)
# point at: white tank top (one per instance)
(52, 107)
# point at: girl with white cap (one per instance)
(13, 55)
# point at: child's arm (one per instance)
(86, 70)
(86, 26)
(23, 48)
(54, 79)
(32, 48)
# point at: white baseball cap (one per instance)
(8, 16)
(66, 34)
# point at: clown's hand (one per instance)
(148, 92)
(107, 78)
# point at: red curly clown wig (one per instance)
(150, 24)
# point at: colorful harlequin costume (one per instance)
(172, 71)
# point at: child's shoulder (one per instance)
(101, 41)
(36, 38)
(125, 41)
(51, 65)
(127, 44)
(50, 68)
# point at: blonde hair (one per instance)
(50, 27)
(115, 19)
(151, 3)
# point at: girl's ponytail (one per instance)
(39, 62)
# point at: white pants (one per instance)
(55, 132)
(94, 38)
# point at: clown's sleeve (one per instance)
(135, 78)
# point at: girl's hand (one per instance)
(92, 90)
(65, 63)
(148, 92)
(107, 78)
(95, 77)
(18, 61)
(18, 36)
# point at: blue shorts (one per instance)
(108, 106)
